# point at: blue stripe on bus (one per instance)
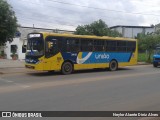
(97, 57)
(130, 57)
(72, 56)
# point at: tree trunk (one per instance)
(149, 56)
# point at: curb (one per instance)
(143, 63)
(10, 67)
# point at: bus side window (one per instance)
(99, 45)
(73, 45)
(111, 46)
(51, 47)
(121, 46)
(131, 46)
(86, 45)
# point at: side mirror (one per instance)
(24, 46)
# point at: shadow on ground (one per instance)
(55, 73)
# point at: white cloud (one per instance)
(50, 14)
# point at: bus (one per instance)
(69, 52)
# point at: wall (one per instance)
(131, 32)
(7, 49)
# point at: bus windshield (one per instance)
(35, 46)
(158, 50)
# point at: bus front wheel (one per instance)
(67, 68)
(113, 66)
(155, 65)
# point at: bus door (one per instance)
(51, 49)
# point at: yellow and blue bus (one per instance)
(68, 52)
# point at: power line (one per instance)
(144, 4)
(81, 21)
(56, 19)
(67, 18)
(106, 17)
(96, 8)
(44, 21)
(138, 13)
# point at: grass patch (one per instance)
(143, 57)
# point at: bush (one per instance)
(2, 55)
(14, 56)
(143, 57)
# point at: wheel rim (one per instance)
(67, 68)
(113, 65)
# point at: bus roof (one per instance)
(87, 36)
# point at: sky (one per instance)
(68, 14)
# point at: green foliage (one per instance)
(148, 42)
(143, 57)
(8, 22)
(98, 28)
(14, 55)
(2, 54)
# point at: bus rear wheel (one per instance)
(113, 66)
(67, 68)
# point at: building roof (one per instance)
(45, 29)
(125, 26)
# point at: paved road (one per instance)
(131, 88)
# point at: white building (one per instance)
(132, 31)
(17, 45)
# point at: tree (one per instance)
(99, 28)
(148, 42)
(8, 22)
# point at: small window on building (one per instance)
(24, 49)
(14, 48)
(17, 34)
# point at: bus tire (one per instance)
(67, 68)
(155, 65)
(113, 65)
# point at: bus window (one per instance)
(86, 45)
(99, 45)
(111, 46)
(121, 46)
(131, 46)
(73, 45)
(51, 47)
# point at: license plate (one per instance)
(30, 67)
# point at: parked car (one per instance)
(156, 57)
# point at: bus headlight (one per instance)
(40, 61)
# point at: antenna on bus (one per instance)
(55, 30)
